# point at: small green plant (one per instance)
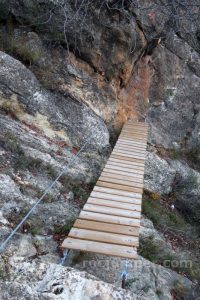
(115, 132)
(149, 249)
(129, 282)
(23, 162)
(11, 143)
(162, 216)
(176, 153)
(146, 289)
(78, 258)
(159, 292)
(65, 180)
(193, 156)
(81, 193)
(56, 35)
(46, 77)
(4, 267)
(110, 72)
(189, 183)
(26, 53)
(50, 171)
(49, 198)
(34, 230)
(169, 93)
(19, 47)
(63, 229)
(180, 292)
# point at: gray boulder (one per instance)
(159, 175)
(52, 281)
(57, 116)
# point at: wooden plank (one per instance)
(128, 164)
(134, 135)
(132, 142)
(117, 152)
(120, 187)
(105, 237)
(121, 177)
(130, 152)
(130, 138)
(122, 157)
(114, 211)
(129, 155)
(108, 174)
(121, 181)
(106, 227)
(133, 130)
(116, 171)
(125, 144)
(117, 192)
(125, 167)
(88, 215)
(140, 165)
(136, 128)
(124, 171)
(102, 248)
(136, 124)
(114, 204)
(137, 173)
(130, 148)
(116, 198)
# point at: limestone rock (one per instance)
(46, 110)
(51, 281)
(159, 175)
(187, 190)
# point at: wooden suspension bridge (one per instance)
(110, 220)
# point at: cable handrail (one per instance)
(71, 161)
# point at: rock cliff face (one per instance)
(72, 71)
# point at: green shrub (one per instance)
(180, 292)
(176, 153)
(19, 49)
(26, 53)
(162, 216)
(191, 182)
(5, 267)
(63, 229)
(23, 162)
(129, 282)
(193, 156)
(148, 249)
(114, 136)
(11, 144)
(50, 171)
